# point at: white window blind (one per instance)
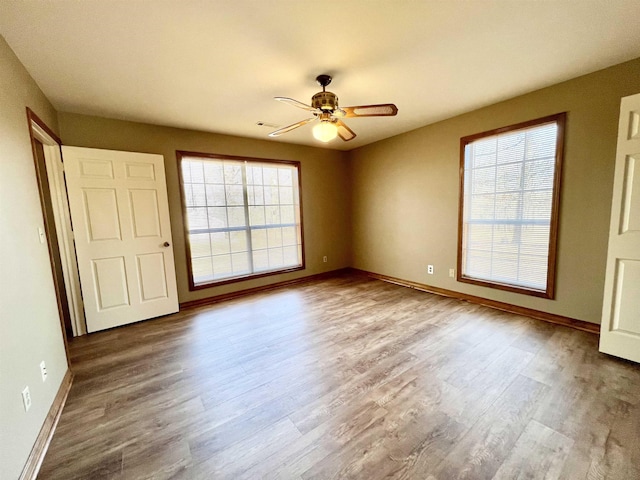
(507, 206)
(243, 217)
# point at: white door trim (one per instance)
(62, 219)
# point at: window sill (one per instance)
(548, 294)
(252, 276)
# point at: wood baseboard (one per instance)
(248, 291)
(31, 468)
(507, 307)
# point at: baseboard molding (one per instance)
(31, 468)
(249, 291)
(507, 307)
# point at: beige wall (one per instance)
(29, 324)
(325, 187)
(405, 192)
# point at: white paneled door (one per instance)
(620, 331)
(120, 216)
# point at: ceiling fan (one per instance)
(324, 106)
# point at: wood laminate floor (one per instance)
(346, 378)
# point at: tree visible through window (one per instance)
(510, 181)
(242, 217)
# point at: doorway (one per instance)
(57, 222)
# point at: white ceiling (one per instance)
(215, 65)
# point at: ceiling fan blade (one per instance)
(382, 110)
(296, 103)
(344, 132)
(282, 130)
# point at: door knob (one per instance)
(166, 244)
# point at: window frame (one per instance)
(180, 154)
(549, 292)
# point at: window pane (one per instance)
(220, 243)
(484, 160)
(507, 205)
(240, 263)
(480, 237)
(200, 246)
(534, 240)
(215, 195)
(284, 177)
(537, 205)
(256, 195)
(541, 142)
(478, 264)
(290, 256)
(256, 215)
(511, 147)
(186, 172)
(213, 172)
(274, 237)
(260, 260)
(483, 180)
(222, 266)
(270, 176)
(259, 238)
(484, 148)
(235, 195)
(255, 175)
(539, 174)
(289, 236)
(232, 173)
(533, 271)
(482, 207)
(217, 217)
(202, 269)
(275, 257)
(239, 241)
(504, 267)
(286, 196)
(271, 196)
(197, 218)
(197, 172)
(272, 214)
(236, 216)
(508, 177)
(287, 214)
(506, 238)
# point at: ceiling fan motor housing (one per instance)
(325, 101)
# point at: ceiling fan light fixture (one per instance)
(325, 131)
(324, 106)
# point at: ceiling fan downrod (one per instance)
(323, 80)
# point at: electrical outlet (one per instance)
(43, 370)
(452, 272)
(324, 259)
(430, 269)
(26, 399)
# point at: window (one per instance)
(242, 217)
(508, 222)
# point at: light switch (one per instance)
(41, 235)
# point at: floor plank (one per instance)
(346, 377)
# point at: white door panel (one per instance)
(110, 277)
(631, 195)
(120, 213)
(151, 276)
(620, 332)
